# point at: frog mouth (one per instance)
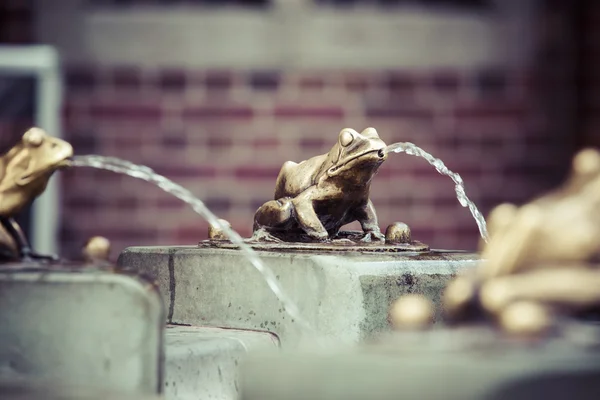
(381, 156)
(31, 176)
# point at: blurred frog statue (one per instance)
(24, 174)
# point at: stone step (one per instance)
(203, 362)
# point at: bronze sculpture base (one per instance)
(346, 241)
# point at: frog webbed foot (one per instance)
(263, 235)
(29, 255)
(319, 236)
(373, 236)
(342, 241)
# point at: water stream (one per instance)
(141, 172)
(413, 150)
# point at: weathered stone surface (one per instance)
(203, 363)
(79, 326)
(343, 296)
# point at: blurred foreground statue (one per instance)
(24, 174)
(538, 263)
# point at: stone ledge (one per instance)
(202, 362)
(345, 297)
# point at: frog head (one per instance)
(356, 155)
(27, 167)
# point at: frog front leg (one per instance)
(25, 251)
(306, 216)
(368, 221)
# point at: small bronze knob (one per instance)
(412, 311)
(398, 232)
(525, 318)
(96, 248)
(215, 233)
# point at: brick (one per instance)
(446, 81)
(181, 172)
(265, 143)
(308, 112)
(175, 140)
(402, 82)
(191, 234)
(256, 173)
(83, 202)
(357, 81)
(85, 144)
(492, 82)
(105, 111)
(398, 111)
(123, 233)
(400, 202)
(127, 142)
(172, 80)
(219, 143)
(229, 112)
(265, 80)
(491, 110)
(311, 82)
(218, 204)
(80, 78)
(313, 143)
(127, 77)
(218, 80)
(126, 203)
(170, 203)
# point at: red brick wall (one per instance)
(225, 134)
(16, 21)
(589, 73)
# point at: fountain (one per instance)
(351, 277)
(316, 283)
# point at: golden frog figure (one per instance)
(24, 173)
(316, 197)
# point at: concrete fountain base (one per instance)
(344, 296)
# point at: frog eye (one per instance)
(33, 137)
(370, 132)
(346, 138)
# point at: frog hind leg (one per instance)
(274, 214)
(25, 252)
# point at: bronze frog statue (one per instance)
(316, 197)
(24, 174)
